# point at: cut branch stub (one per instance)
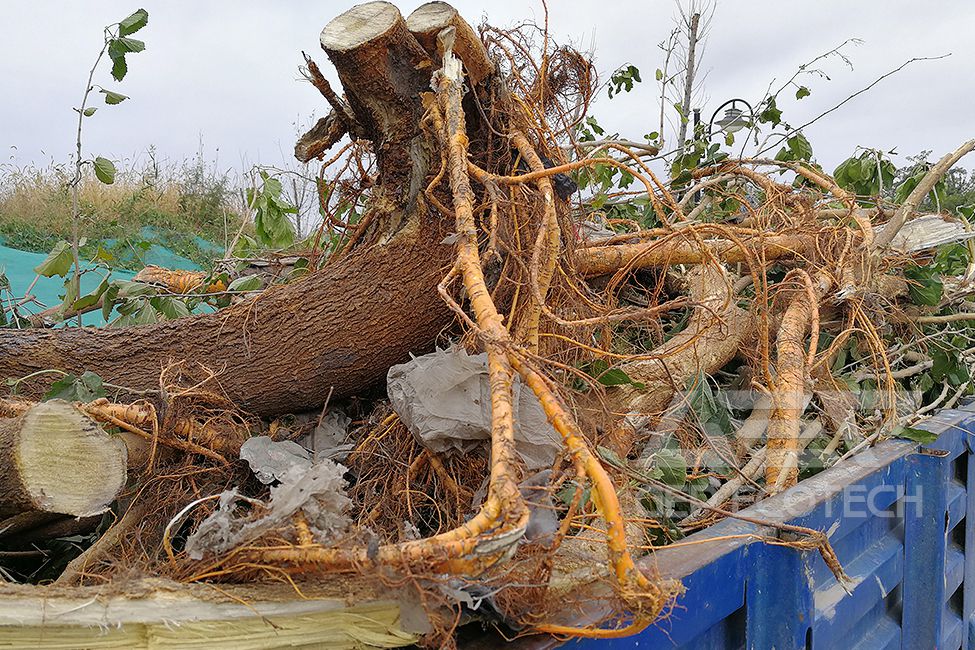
(430, 19)
(383, 70)
(54, 459)
(320, 138)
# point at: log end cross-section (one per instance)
(55, 459)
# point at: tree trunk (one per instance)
(53, 459)
(339, 329)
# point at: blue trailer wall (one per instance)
(900, 518)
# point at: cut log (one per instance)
(339, 329)
(53, 459)
(430, 19)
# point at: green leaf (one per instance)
(712, 413)
(246, 283)
(958, 375)
(917, 435)
(924, 383)
(868, 168)
(127, 45)
(299, 270)
(116, 52)
(103, 255)
(117, 49)
(568, 493)
(624, 78)
(602, 372)
(113, 98)
(70, 294)
(273, 227)
(133, 23)
(802, 92)
(840, 173)
(132, 289)
(594, 125)
(119, 68)
(659, 74)
(800, 147)
(729, 139)
(57, 262)
(770, 113)
(90, 111)
(672, 467)
(139, 312)
(171, 308)
(92, 298)
(611, 456)
(941, 362)
(904, 189)
(108, 301)
(926, 287)
(105, 170)
(70, 388)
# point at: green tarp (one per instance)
(19, 268)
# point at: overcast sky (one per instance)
(225, 73)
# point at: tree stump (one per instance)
(338, 330)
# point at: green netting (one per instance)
(19, 267)
(155, 247)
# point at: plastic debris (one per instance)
(444, 399)
(330, 439)
(317, 490)
(270, 460)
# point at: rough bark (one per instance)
(320, 138)
(383, 69)
(53, 459)
(690, 69)
(339, 329)
(788, 396)
(712, 338)
(600, 260)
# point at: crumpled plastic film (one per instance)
(444, 399)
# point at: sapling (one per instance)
(117, 42)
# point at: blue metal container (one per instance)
(902, 521)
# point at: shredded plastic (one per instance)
(317, 490)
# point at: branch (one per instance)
(926, 185)
(856, 94)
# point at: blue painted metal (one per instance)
(902, 522)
